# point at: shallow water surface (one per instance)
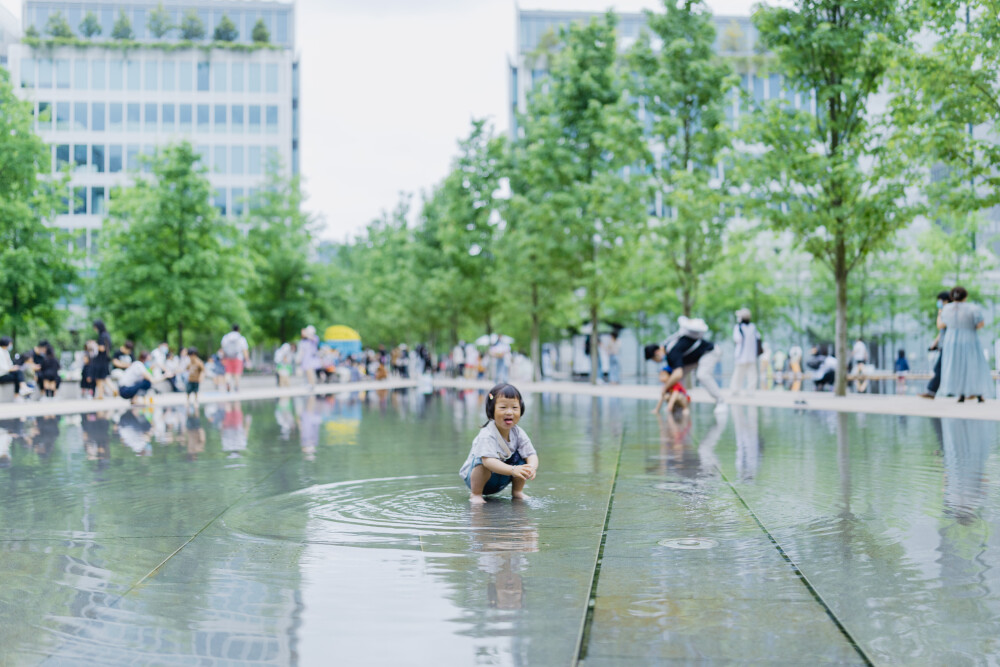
(336, 530)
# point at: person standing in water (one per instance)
(502, 453)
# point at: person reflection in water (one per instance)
(502, 453)
(501, 537)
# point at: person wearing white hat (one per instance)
(686, 352)
(747, 340)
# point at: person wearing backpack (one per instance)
(235, 353)
(688, 352)
(748, 350)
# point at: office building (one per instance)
(101, 103)
(10, 33)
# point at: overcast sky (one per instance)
(389, 87)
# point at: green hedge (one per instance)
(128, 44)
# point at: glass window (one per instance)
(80, 74)
(203, 118)
(132, 119)
(132, 157)
(80, 155)
(238, 202)
(168, 75)
(45, 73)
(255, 118)
(219, 76)
(203, 156)
(79, 115)
(79, 201)
(237, 118)
(271, 78)
(185, 114)
(62, 156)
(150, 116)
(758, 89)
(44, 119)
(167, 117)
(107, 20)
(97, 206)
(202, 76)
(134, 74)
(139, 24)
(97, 118)
(220, 117)
(97, 74)
(281, 34)
(62, 115)
(273, 157)
(254, 71)
(28, 73)
(115, 116)
(237, 78)
(253, 161)
(184, 76)
(272, 119)
(220, 200)
(62, 73)
(774, 87)
(114, 158)
(219, 164)
(150, 152)
(97, 158)
(116, 69)
(152, 75)
(236, 163)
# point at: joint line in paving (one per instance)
(800, 574)
(155, 570)
(588, 618)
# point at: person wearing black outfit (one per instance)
(47, 368)
(686, 352)
(100, 364)
(938, 344)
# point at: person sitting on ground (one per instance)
(136, 380)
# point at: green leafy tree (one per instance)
(835, 179)
(123, 27)
(226, 30)
(31, 32)
(382, 299)
(90, 26)
(35, 265)
(260, 33)
(287, 291)
(685, 88)
(954, 252)
(58, 26)
(192, 29)
(168, 261)
(598, 139)
(159, 23)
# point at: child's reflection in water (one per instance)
(502, 534)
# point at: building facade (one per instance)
(101, 105)
(10, 33)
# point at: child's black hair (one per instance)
(502, 390)
(650, 351)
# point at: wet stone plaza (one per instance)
(335, 530)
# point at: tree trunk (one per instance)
(686, 301)
(536, 343)
(840, 276)
(594, 358)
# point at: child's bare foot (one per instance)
(476, 500)
(520, 495)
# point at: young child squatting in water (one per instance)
(502, 453)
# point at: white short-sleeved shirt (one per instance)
(490, 444)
